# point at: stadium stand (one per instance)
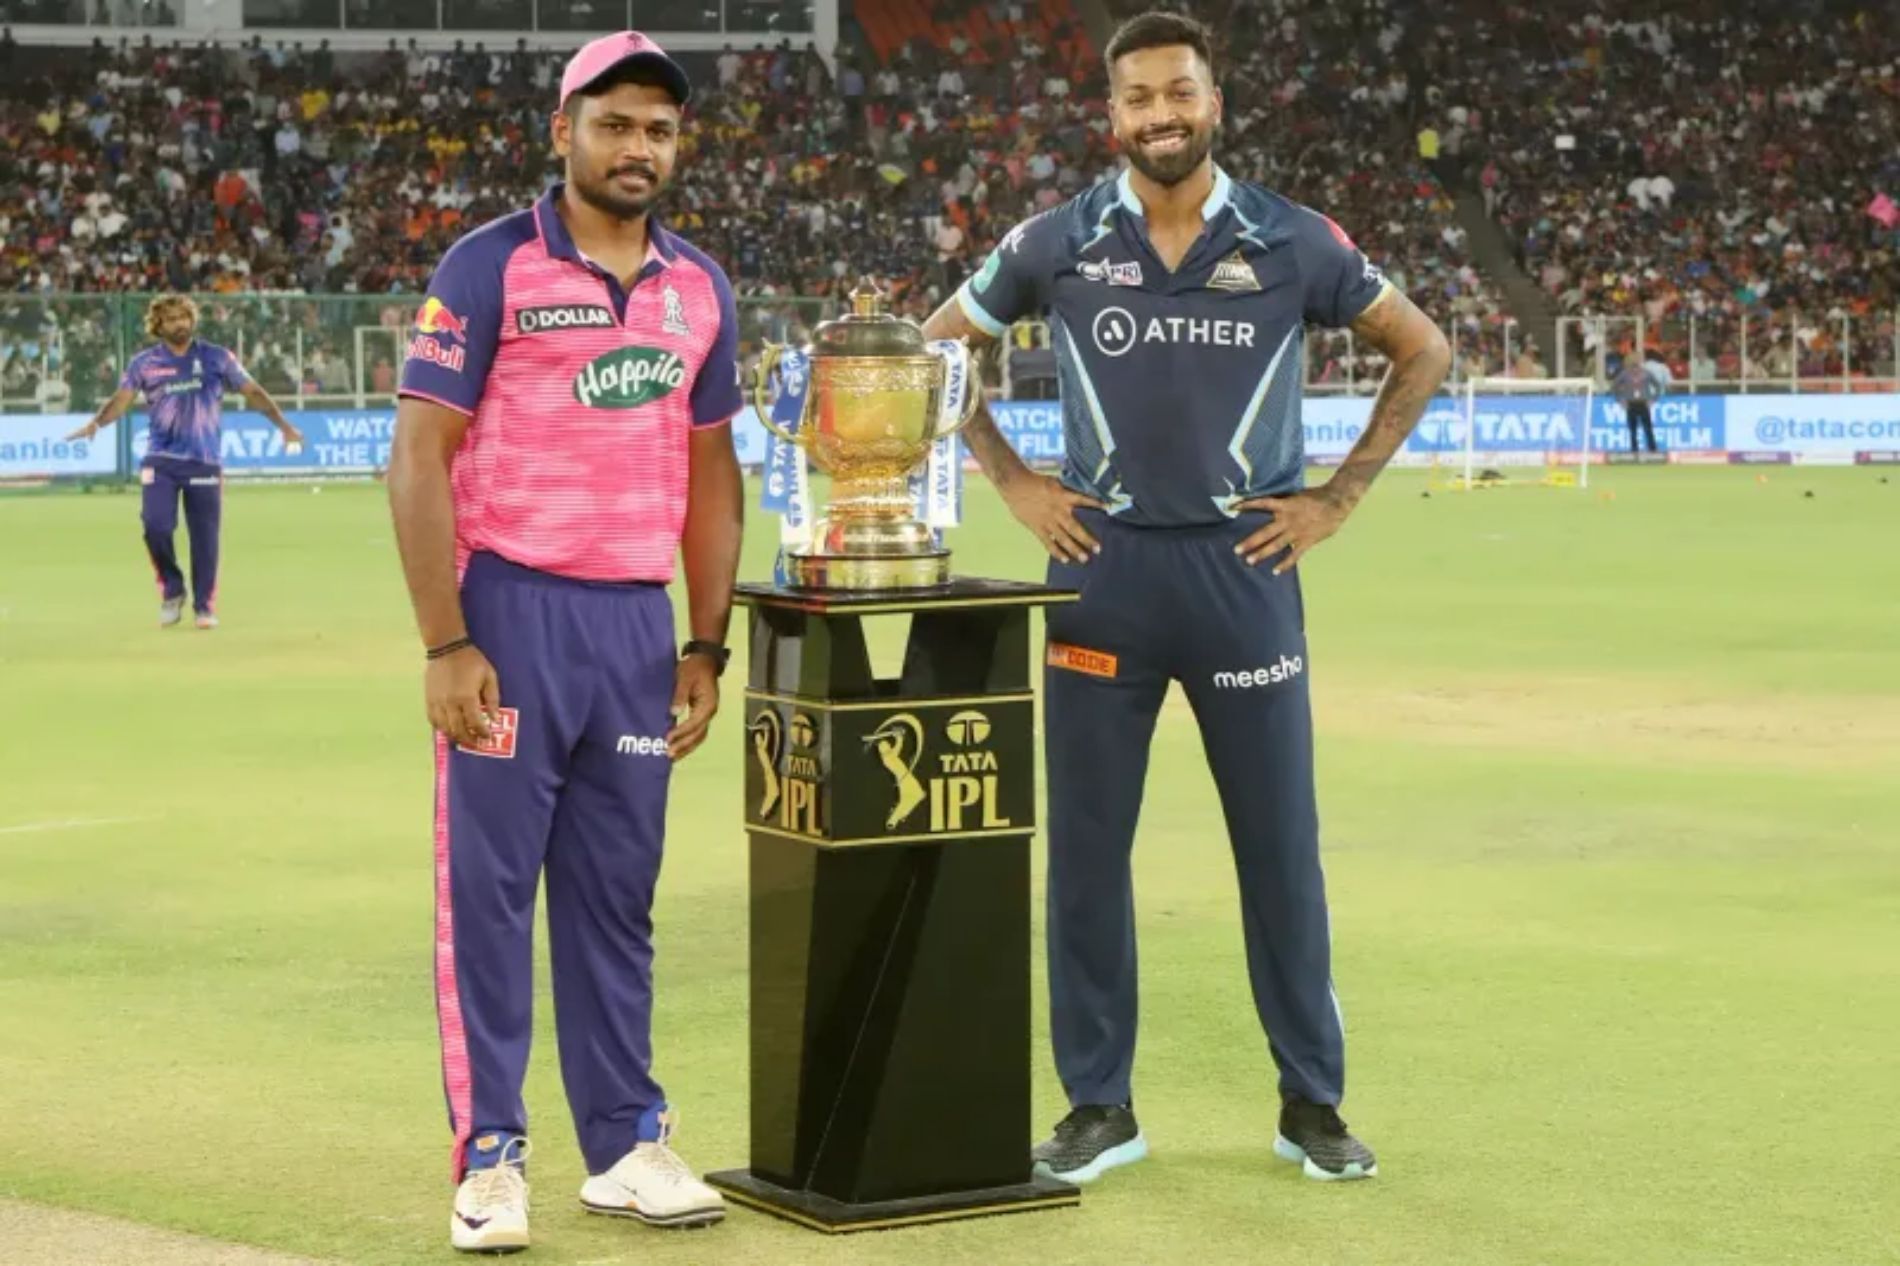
(279, 170)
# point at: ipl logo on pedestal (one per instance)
(790, 779)
(962, 789)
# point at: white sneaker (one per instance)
(206, 620)
(170, 612)
(653, 1184)
(491, 1205)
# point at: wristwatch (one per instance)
(711, 650)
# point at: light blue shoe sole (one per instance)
(1113, 1158)
(1287, 1150)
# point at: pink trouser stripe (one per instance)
(448, 999)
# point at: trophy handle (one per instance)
(763, 406)
(959, 350)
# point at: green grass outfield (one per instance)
(1612, 802)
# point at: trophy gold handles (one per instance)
(962, 386)
(762, 404)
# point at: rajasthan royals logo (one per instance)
(673, 321)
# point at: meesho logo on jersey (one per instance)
(628, 377)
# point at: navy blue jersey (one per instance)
(1180, 391)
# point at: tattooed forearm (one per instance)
(1420, 358)
(992, 452)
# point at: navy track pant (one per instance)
(1176, 604)
(573, 786)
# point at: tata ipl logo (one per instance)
(962, 788)
(629, 377)
(790, 778)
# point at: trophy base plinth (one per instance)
(837, 1217)
(864, 573)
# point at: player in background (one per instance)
(562, 438)
(1176, 298)
(183, 380)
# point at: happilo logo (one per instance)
(629, 377)
(1278, 674)
(789, 774)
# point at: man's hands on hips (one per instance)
(1300, 522)
(695, 700)
(1041, 504)
(462, 692)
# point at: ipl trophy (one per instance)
(876, 399)
(888, 814)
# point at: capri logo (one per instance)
(629, 377)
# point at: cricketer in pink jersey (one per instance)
(562, 436)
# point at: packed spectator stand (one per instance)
(1721, 163)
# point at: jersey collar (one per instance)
(1217, 197)
(559, 243)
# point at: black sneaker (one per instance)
(1089, 1142)
(1312, 1135)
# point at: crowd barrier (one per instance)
(1690, 429)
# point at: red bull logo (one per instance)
(436, 318)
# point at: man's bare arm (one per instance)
(714, 531)
(111, 411)
(460, 688)
(1039, 502)
(260, 399)
(1420, 358)
(427, 435)
(709, 545)
(999, 461)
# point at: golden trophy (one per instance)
(879, 397)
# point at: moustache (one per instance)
(635, 169)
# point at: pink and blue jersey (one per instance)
(184, 394)
(581, 393)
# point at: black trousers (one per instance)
(1638, 412)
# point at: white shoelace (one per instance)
(502, 1183)
(666, 1163)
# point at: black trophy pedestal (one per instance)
(890, 822)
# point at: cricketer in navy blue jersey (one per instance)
(1176, 299)
(182, 381)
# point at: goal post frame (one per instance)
(1482, 385)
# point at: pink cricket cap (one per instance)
(604, 54)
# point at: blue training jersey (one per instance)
(1180, 390)
(183, 397)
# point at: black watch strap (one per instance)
(718, 654)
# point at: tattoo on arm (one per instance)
(999, 461)
(1420, 358)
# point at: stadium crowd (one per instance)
(1703, 158)
(1718, 163)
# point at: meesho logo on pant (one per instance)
(628, 377)
(1289, 667)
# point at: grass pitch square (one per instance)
(1611, 795)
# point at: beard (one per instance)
(609, 198)
(1174, 167)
